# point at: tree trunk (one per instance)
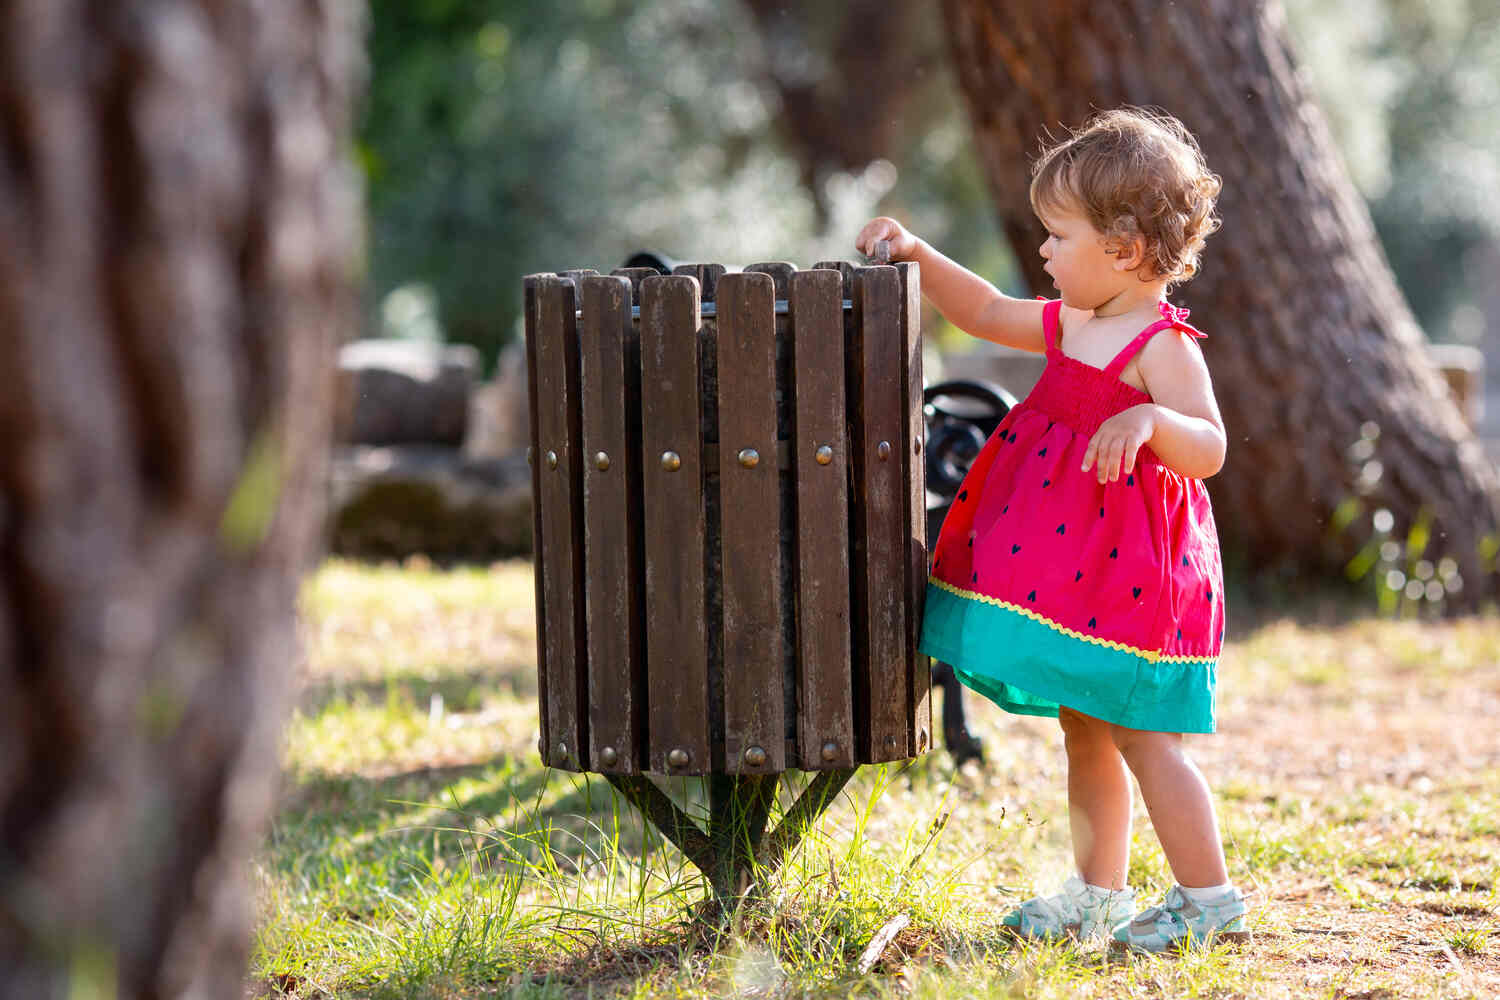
(177, 224)
(1312, 347)
(848, 76)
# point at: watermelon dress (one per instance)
(1049, 588)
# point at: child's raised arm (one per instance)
(963, 297)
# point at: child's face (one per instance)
(1083, 267)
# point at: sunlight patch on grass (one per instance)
(422, 850)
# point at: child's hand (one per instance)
(1114, 445)
(903, 244)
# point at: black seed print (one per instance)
(1093, 623)
(971, 541)
(962, 496)
(1078, 576)
(1046, 483)
(1062, 529)
(1101, 511)
(1014, 549)
(1130, 480)
(1184, 560)
(1114, 553)
(1005, 509)
(1209, 595)
(1179, 633)
(1135, 591)
(1041, 453)
(936, 563)
(975, 577)
(1031, 596)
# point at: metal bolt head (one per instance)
(922, 740)
(830, 750)
(749, 457)
(551, 459)
(671, 461)
(890, 743)
(601, 461)
(824, 455)
(679, 758)
(562, 749)
(609, 756)
(755, 756)
(530, 455)
(916, 446)
(883, 450)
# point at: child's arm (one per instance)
(963, 297)
(1182, 425)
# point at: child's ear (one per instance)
(1129, 253)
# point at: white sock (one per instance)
(1100, 892)
(1205, 894)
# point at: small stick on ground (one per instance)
(881, 941)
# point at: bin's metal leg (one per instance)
(735, 841)
(815, 798)
(738, 809)
(662, 813)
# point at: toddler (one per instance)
(1077, 574)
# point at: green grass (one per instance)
(421, 850)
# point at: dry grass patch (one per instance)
(422, 851)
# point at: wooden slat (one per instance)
(754, 720)
(676, 662)
(919, 667)
(575, 276)
(825, 709)
(559, 433)
(845, 269)
(615, 598)
(636, 276)
(707, 276)
(780, 271)
(880, 529)
(532, 322)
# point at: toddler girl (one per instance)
(1077, 574)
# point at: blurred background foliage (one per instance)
(505, 137)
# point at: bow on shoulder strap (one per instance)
(1177, 317)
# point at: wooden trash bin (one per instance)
(730, 536)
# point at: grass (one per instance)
(420, 850)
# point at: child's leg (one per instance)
(1179, 803)
(1098, 800)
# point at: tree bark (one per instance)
(1310, 343)
(177, 228)
(845, 100)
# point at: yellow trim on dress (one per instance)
(1149, 655)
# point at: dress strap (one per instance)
(1050, 326)
(1171, 316)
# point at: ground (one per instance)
(421, 850)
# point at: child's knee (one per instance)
(1080, 729)
(1135, 744)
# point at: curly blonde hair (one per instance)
(1135, 172)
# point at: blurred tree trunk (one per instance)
(177, 224)
(847, 75)
(1311, 345)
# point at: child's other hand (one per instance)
(903, 244)
(1114, 445)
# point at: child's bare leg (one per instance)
(1098, 800)
(1179, 803)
